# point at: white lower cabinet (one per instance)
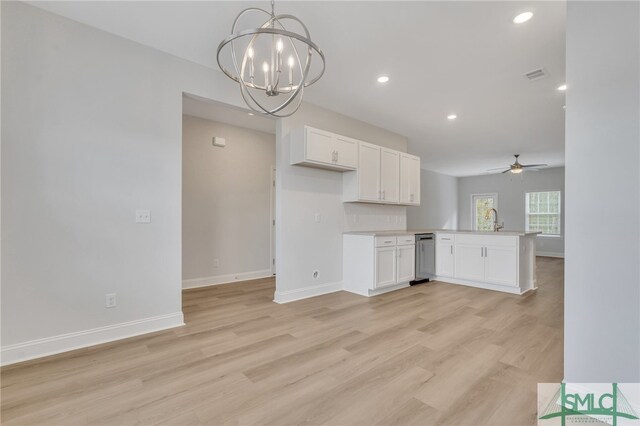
(372, 265)
(501, 265)
(385, 266)
(406, 263)
(469, 262)
(491, 259)
(445, 257)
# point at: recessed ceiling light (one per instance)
(250, 113)
(383, 79)
(522, 18)
(564, 107)
(562, 88)
(452, 116)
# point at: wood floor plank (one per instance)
(430, 354)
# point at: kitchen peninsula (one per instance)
(376, 262)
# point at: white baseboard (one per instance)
(304, 293)
(225, 279)
(67, 342)
(549, 254)
(487, 286)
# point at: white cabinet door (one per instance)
(405, 165)
(385, 266)
(444, 259)
(409, 179)
(414, 180)
(389, 175)
(369, 172)
(406, 263)
(469, 262)
(319, 146)
(346, 152)
(501, 265)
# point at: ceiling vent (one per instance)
(536, 74)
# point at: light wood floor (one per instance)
(430, 354)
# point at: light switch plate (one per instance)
(318, 218)
(143, 216)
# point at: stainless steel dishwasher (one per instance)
(425, 258)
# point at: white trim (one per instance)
(473, 206)
(272, 219)
(19, 352)
(225, 279)
(550, 254)
(496, 287)
(304, 293)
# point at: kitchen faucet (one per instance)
(496, 225)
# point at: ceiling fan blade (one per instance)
(497, 168)
(506, 171)
(534, 165)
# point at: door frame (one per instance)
(272, 221)
(473, 206)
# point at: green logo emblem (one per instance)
(594, 405)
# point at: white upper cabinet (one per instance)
(318, 148)
(409, 179)
(368, 174)
(346, 152)
(379, 177)
(389, 176)
(374, 174)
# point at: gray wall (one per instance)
(438, 207)
(511, 191)
(602, 275)
(226, 201)
(92, 131)
(302, 245)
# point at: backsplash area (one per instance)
(373, 217)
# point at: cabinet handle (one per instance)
(388, 242)
(451, 249)
(337, 156)
(384, 194)
(481, 251)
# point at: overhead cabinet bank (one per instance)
(373, 174)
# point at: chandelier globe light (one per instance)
(272, 62)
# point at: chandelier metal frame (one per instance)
(274, 27)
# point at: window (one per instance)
(543, 212)
(480, 204)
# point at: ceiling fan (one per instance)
(519, 168)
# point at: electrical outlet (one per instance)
(143, 216)
(110, 301)
(318, 218)
(216, 263)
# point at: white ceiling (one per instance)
(457, 57)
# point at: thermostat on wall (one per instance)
(219, 142)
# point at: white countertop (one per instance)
(440, 231)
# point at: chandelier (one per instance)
(272, 62)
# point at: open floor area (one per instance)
(434, 353)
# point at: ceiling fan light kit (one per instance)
(517, 167)
(260, 66)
